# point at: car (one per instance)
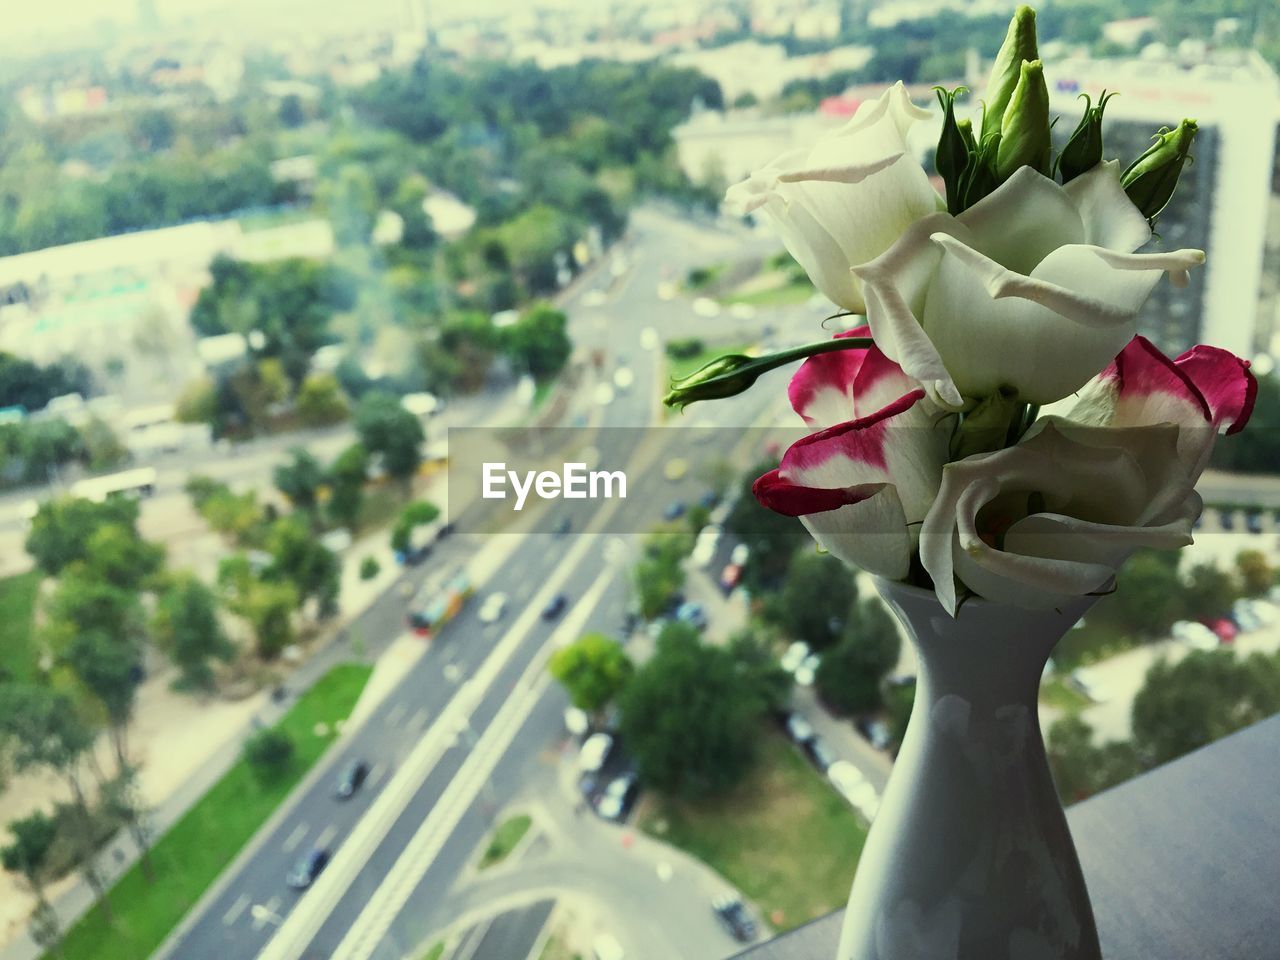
(730, 577)
(820, 753)
(623, 378)
(603, 394)
(807, 672)
(708, 499)
(1087, 682)
(1253, 521)
(1265, 611)
(675, 468)
(674, 511)
(666, 290)
(799, 729)
(562, 527)
(555, 606)
(741, 554)
(617, 798)
(595, 751)
(1194, 635)
(693, 613)
(353, 775)
(794, 656)
(1223, 629)
(845, 777)
(706, 307)
(495, 604)
(874, 731)
(606, 947)
(306, 870)
(1227, 518)
(1244, 617)
(576, 721)
(733, 916)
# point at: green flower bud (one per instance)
(734, 373)
(966, 131)
(1024, 132)
(1019, 45)
(952, 155)
(992, 425)
(1151, 179)
(1083, 151)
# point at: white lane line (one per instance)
(369, 929)
(270, 909)
(302, 924)
(326, 836)
(393, 718)
(291, 842)
(418, 720)
(237, 908)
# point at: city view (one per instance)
(366, 589)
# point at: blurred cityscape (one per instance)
(275, 682)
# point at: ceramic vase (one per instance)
(970, 857)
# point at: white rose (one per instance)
(846, 199)
(1035, 287)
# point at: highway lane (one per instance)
(226, 926)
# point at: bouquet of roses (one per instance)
(932, 461)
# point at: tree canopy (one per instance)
(594, 669)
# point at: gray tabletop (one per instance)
(1183, 863)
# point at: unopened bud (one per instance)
(1024, 131)
(952, 155)
(1019, 46)
(1083, 151)
(1151, 179)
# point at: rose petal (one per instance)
(1225, 383)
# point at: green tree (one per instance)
(351, 202)
(269, 753)
(369, 568)
(772, 538)
(62, 527)
(415, 514)
(102, 448)
(419, 234)
(1147, 599)
(539, 342)
(186, 626)
(198, 402)
(814, 603)
(659, 573)
(690, 721)
(759, 669)
(850, 674)
(299, 558)
(1257, 576)
(321, 401)
(27, 855)
(593, 669)
(300, 479)
(117, 555)
(388, 430)
(109, 667)
(1082, 768)
(347, 475)
(1201, 698)
(1208, 592)
(269, 609)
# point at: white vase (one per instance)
(970, 857)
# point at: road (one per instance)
(406, 729)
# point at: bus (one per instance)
(438, 602)
(137, 483)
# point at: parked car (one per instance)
(821, 755)
(306, 870)
(1253, 521)
(576, 721)
(798, 729)
(1087, 683)
(1194, 635)
(807, 672)
(730, 577)
(733, 916)
(692, 613)
(1223, 629)
(708, 499)
(874, 731)
(741, 553)
(674, 511)
(676, 468)
(854, 787)
(595, 752)
(353, 776)
(1227, 518)
(491, 611)
(617, 799)
(794, 656)
(563, 527)
(555, 606)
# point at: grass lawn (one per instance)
(189, 858)
(18, 660)
(435, 953)
(505, 839)
(1089, 643)
(784, 836)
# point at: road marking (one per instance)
(291, 842)
(419, 719)
(375, 775)
(371, 926)
(270, 909)
(237, 908)
(397, 712)
(371, 830)
(326, 836)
